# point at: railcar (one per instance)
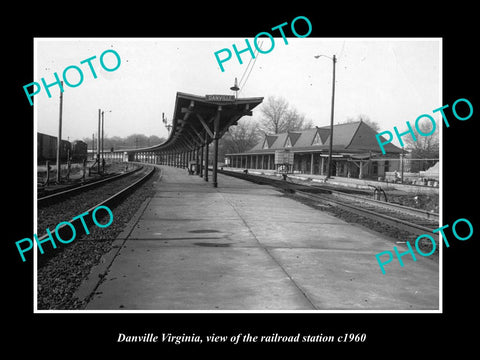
(47, 148)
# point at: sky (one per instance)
(391, 81)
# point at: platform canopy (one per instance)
(199, 118)
(197, 122)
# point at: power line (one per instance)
(245, 71)
(249, 73)
(251, 68)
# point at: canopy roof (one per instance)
(195, 116)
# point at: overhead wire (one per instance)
(245, 71)
(240, 85)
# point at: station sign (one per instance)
(220, 98)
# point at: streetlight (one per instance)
(235, 88)
(329, 171)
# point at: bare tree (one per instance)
(128, 142)
(296, 121)
(425, 146)
(279, 117)
(239, 138)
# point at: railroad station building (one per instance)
(355, 152)
(199, 121)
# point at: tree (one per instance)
(425, 146)
(239, 138)
(278, 117)
(129, 142)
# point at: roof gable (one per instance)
(321, 136)
(265, 143)
(317, 140)
(324, 134)
(288, 142)
(279, 142)
(293, 136)
(353, 137)
(269, 140)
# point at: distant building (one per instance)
(355, 152)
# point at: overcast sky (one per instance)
(388, 80)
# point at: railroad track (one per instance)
(284, 185)
(85, 201)
(406, 219)
(412, 220)
(65, 194)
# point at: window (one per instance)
(288, 143)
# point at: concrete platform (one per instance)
(364, 184)
(244, 246)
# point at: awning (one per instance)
(195, 119)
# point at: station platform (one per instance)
(244, 246)
(354, 183)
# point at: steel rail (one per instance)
(338, 193)
(49, 199)
(387, 205)
(390, 206)
(409, 226)
(64, 230)
(262, 180)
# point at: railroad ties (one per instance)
(66, 205)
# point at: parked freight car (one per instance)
(47, 148)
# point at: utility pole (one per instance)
(402, 156)
(59, 138)
(103, 168)
(331, 122)
(329, 168)
(98, 141)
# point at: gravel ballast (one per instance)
(61, 275)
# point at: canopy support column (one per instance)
(216, 124)
(205, 173)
